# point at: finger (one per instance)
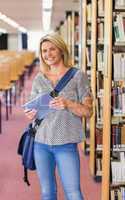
(30, 110)
(27, 110)
(31, 113)
(88, 98)
(56, 99)
(57, 104)
(53, 102)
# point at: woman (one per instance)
(60, 131)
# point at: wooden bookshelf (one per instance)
(89, 35)
(62, 29)
(90, 42)
(107, 57)
(112, 120)
(72, 37)
(83, 37)
(76, 39)
(107, 100)
(83, 27)
(93, 85)
(69, 30)
(83, 41)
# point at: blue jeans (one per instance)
(66, 158)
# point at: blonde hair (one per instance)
(57, 40)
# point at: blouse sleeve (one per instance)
(83, 86)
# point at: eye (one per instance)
(44, 50)
(53, 49)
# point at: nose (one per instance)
(48, 53)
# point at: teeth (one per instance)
(50, 59)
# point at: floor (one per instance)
(11, 171)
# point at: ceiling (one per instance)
(28, 13)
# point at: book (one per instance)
(123, 136)
(41, 104)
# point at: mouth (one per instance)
(49, 59)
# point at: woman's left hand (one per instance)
(58, 103)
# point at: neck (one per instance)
(57, 69)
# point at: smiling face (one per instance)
(51, 54)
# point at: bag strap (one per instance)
(63, 81)
(60, 85)
(25, 178)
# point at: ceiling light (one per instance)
(2, 30)
(46, 14)
(47, 4)
(8, 20)
(46, 20)
(11, 22)
(22, 29)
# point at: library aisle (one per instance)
(11, 170)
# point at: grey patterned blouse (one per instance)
(61, 126)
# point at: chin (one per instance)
(54, 65)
